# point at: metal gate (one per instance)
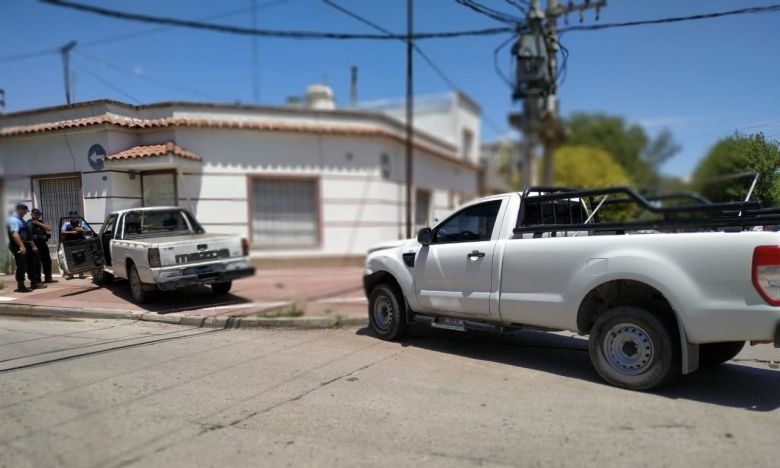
(58, 197)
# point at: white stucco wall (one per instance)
(360, 178)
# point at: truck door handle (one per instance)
(475, 253)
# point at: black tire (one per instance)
(221, 288)
(137, 288)
(387, 312)
(102, 278)
(633, 348)
(712, 354)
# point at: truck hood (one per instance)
(393, 245)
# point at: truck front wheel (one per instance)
(102, 278)
(633, 348)
(387, 312)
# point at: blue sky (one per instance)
(702, 80)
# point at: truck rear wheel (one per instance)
(387, 312)
(712, 354)
(221, 288)
(137, 288)
(633, 348)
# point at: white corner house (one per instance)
(306, 181)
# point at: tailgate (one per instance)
(199, 249)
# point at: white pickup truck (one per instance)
(161, 248)
(656, 301)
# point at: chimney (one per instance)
(353, 96)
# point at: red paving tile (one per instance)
(316, 291)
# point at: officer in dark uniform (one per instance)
(41, 233)
(22, 248)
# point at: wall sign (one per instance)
(95, 156)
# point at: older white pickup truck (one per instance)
(161, 248)
(656, 302)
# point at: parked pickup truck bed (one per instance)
(157, 248)
(655, 304)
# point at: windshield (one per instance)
(156, 223)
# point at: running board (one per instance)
(455, 324)
(448, 324)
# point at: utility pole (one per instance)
(536, 84)
(65, 51)
(2, 101)
(255, 78)
(353, 86)
(409, 115)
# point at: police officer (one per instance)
(73, 229)
(41, 233)
(22, 248)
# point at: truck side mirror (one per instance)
(425, 236)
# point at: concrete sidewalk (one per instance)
(294, 297)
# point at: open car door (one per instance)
(80, 254)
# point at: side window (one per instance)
(132, 224)
(471, 224)
(109, 227)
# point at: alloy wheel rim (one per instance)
(383, 312)
(628, 349)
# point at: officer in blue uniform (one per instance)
(23, 249)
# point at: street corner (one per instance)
(286, 298)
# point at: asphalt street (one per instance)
(93, 393)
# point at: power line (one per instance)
(158, 29)
(674, 19)
(416, 48)
(27, 55)
(121, 37)
(521, 5)
(491, 123)
(490, 12)
(167, 84)
(265, 32)
(110, 85)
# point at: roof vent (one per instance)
(320, 97)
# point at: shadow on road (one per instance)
(179, 300)
(732, 385)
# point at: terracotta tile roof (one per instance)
(236, 124)
(151, 151)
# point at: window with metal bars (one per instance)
(284, 212)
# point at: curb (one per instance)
(219, 321)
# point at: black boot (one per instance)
(38, 286)
(50, 280)
(20, 287)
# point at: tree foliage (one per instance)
(735, 155)
(587, 167)
(639, 155)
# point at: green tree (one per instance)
(735, 155)
(587, 167)
(630, 146)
